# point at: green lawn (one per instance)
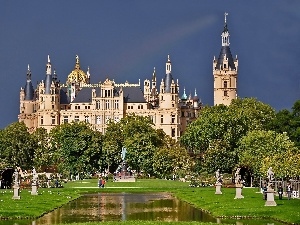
(218, 205)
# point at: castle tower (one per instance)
(49, 102)
(225, 71)
(169, 103)
(27, 103)
(168, 97)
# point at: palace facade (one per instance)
(53, 103)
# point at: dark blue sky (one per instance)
(124, 40)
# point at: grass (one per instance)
(218, 205)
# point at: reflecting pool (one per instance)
(128, 206)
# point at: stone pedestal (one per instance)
(218, 188)
(238, 191)
(16, 192)
(270, 197)
(34, 188)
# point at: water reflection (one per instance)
(126, 206)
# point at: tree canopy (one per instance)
(219, 128)
(76, 148)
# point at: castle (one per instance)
(53, 103)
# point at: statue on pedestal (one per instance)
(237, 176)
(218, 176)
(34, 177)
(16, 177)
(270, 175)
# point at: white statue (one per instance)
(270, 175)
(218, 176)
(34, 176)
(123, 154)
(237, 176)
(16, 177)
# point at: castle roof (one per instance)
(64, 99)
(131, 94)
(225, 53)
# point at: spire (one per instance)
(225, 34)
(48, 66)
(154, 75)
(88, 72)
(225, 53)
(195, 96)
(77, 64)
(28, 86)
(48, 79)
(168, 78)
(168, 65)
(184, 96)
(28, 73)
(54, 75)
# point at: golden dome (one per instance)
(77, 75)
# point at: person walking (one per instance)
(280, 191)
(289, 190)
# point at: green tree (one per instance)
(42, 154)
(288, 122)
(223, 126)
(259, 150)
(17, 146)
(137, 134)
(112, 144)
(77, 148)
(219, 156)
(171, 159)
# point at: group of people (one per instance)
(101, 182)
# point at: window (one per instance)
(225, 84)
(66, 119)
(173, 118)
(116, 104)
(106, 104)
(128, 107)
(107, 119)
(225, 93)
(53, 120)
(182, 114)
(77, 107)
(98, 120)
(224, 66)
(173, 132)
(42, 120)
(76, 119)
(52, 106)
(161, 119)
(117, 119)
(87, 119)
(53, 98)
(131, 107)
(98, 105)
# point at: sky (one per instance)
(125, 40)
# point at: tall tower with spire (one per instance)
(225, 71)
(27, 103)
